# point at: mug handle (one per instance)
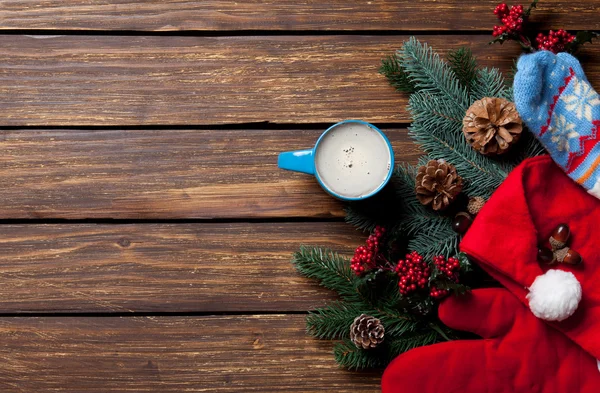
(297, 161)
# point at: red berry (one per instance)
(449, 268)
(365, 257)
(438, 293)
(555, 41)
(501, 10)
(415, 277)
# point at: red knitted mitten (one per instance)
(519, 353)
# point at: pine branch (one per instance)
(349, 356)
(431, 233)
(380, 209)
(397, 324)
(490, 83)
(360, 220)
(403, 344)
(444, 242)
(404, 182)
(510, 77)
(463, 64)
(330, 269)
(431, 74)
(390, 67)
(456, 289)
(441, 94)
(441, 137)
(333, 321)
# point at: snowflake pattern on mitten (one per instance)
(558, 104)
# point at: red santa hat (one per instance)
(521, 215)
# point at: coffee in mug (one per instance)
(352, 160)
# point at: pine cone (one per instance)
(438, 184)
(492, 125)
(366, 332)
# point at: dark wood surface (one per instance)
(281, 15)
(163, 174)
(257, 353)
(173, 80)
(208, 268)
(145, 230)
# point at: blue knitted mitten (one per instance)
(558, 104)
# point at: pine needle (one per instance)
(391, 68)
(464, 65)
(330, 269)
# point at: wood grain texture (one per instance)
(219, 15)
(261, 353)
(131, 80)
(163, 174)
(162, 267)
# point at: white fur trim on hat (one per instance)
(555, 295)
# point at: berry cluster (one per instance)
(365, 257)
(449, 268)
(512, 19)
(438, 293)
(555, 41)
(413, 273)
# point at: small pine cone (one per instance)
(475, 204)
(438, 184)
(492, 125)
(366, 332)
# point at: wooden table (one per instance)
(146, 230)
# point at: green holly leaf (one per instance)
(581, 38)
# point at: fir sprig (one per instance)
(441, 91)
(404, 330)
(330, 269)
(393, 71)
(348, 355)
(490, 83)
(463, 64)
(333, 321)
(430, 74)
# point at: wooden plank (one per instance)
(260, 353)
(130, 80)
(220, 15)
(163, 267)
(162, 174)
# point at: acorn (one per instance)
(475, 205)
(545, 255)
(568, 255)
(560, 236)
(461, 223)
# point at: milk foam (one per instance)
(353, 160)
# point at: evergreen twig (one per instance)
(391, 68)
(330, 269)
(333, 321)
(440, 92)
(431, 74)
(463, 64)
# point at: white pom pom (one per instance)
(554, 295)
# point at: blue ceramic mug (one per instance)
(352, 160)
